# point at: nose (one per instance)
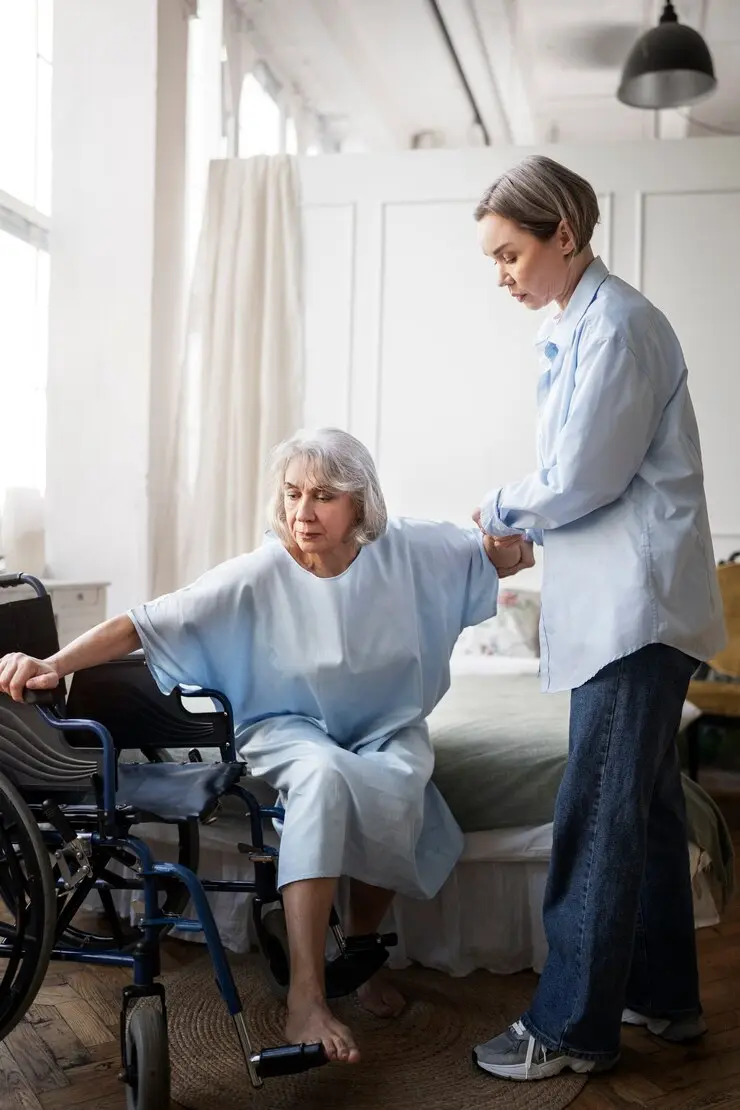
(503, 277)
(305, 509)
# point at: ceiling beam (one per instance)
(483, 33)
(301, 41)
(342, 26)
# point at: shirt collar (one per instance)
(558, 330)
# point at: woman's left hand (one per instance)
(509, 555)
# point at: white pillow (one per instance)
(513, 631)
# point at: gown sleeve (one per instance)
(200, 635)
(461, 576)
(481, 593)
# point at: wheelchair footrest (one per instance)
(172, 921)
(288, 1060)
(362, 957)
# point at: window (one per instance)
(260, 121)
(25, 101)
(25, 203)
(24, 296)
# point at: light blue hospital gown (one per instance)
(331, 681)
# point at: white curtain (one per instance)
(241, 387)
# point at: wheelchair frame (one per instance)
(67, 857)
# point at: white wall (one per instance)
(411, 345)
(110, 80)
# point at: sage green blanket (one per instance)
(501, 748)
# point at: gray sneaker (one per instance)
(677, 1032)
(516, 1054)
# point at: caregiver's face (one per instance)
(319, 519)
(534, 272)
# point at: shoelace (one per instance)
(521, 1031)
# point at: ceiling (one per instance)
(381, 76)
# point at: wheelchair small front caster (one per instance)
(147, 1073)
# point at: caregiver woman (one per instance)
(629, 604)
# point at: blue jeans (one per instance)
(618, 908)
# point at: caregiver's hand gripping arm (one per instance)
(509, 555)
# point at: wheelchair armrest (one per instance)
(220, 699)
(110, 766)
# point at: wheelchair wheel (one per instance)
(273, 942)
(147, 1060)
(28, 911)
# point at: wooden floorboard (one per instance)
(64, 1055)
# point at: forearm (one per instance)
(111, 640)
(542, 502)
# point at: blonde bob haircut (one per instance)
(335, 461)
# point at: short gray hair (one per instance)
(336, 461)
(538, 194)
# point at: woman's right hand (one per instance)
(18, 671)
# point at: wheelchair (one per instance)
(70, 796)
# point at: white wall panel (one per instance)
(691, 248)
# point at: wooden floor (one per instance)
(64, 1056)
(698, 1077)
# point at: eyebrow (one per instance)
(500, 250)
(316, 489)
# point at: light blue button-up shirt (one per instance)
(618, 500)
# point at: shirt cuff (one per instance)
(490, 518)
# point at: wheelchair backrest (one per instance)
(35, 756)
(28, 625)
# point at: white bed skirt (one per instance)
(487, 915)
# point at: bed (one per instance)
(500, 752)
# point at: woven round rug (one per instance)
(420, 1060)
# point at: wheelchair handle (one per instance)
(9, 581)
(39, 697)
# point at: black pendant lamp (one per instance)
(669, 67)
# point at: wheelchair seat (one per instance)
(175, 791)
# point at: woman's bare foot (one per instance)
(310, 1021)
(378, 996)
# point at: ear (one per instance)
(565, 239)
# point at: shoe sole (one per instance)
(547, 1070)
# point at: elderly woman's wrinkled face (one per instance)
(320, 520)
(534, 272)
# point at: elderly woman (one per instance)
(629, 604)
(332, 642)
